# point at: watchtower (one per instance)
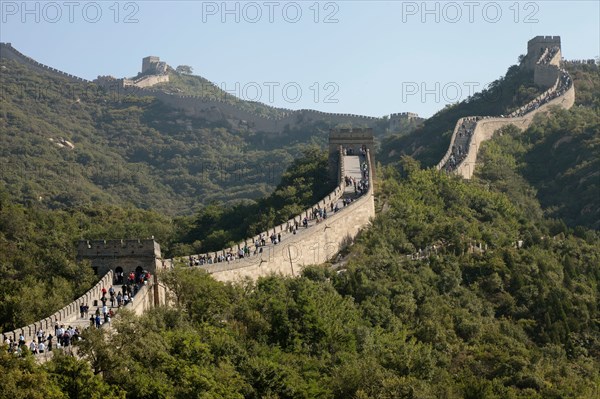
(152, 65)
(536, 46)
(120, 255)
(348, 139)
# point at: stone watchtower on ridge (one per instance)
(544, 73)
(152, 65)
(120, 255)
(353, 139)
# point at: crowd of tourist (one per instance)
(317, 214)
(564, 84)
(44, 342)
(64, 337)
(460, 146)
(548, 55)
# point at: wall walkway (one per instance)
(68, 315)
(317, 243)
(471, 131)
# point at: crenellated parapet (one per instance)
(66, 315)
(7, 51)
(470, 132)
(306, 239)
(120, 255)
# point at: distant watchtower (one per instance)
(152, 65)
(351, 139)
(120, 255)
(543, 56)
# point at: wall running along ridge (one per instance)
(210, 108)
(318, 243)
(314, 245)
(486, 126)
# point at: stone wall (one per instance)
(9, 52)
(214, 109)
(549, 74)
(486, 128)
(151, 80)
(142, 301)
(326, 202)
(210, 108)
(314, 245)
(65, 315)
(107, 255)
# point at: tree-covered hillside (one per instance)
(429, 143)
(127, 151)
(193, 85)
(558, 156)
(505, 322)
(479, 289)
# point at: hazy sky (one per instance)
(364, 57)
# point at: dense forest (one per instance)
(506, 307)
(129, 151)
(505, 322)
(38, 245)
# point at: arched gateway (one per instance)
(353, 140)
(120, 256)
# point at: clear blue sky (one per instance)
(364, 57)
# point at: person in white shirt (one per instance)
(33, 347)
(41, 347)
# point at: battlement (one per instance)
(121, 245)
(120, 255)
(152, 65)
(7, 51)
(404, 115)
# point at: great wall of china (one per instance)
(544, 57)
(212, 108)
(319, 242)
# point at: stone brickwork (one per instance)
(399, 119)
(314, 245)
(560, 92)
(120, 255)
(353, 139)
(65, 315)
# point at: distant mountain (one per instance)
(172, 147)
(68, 143)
